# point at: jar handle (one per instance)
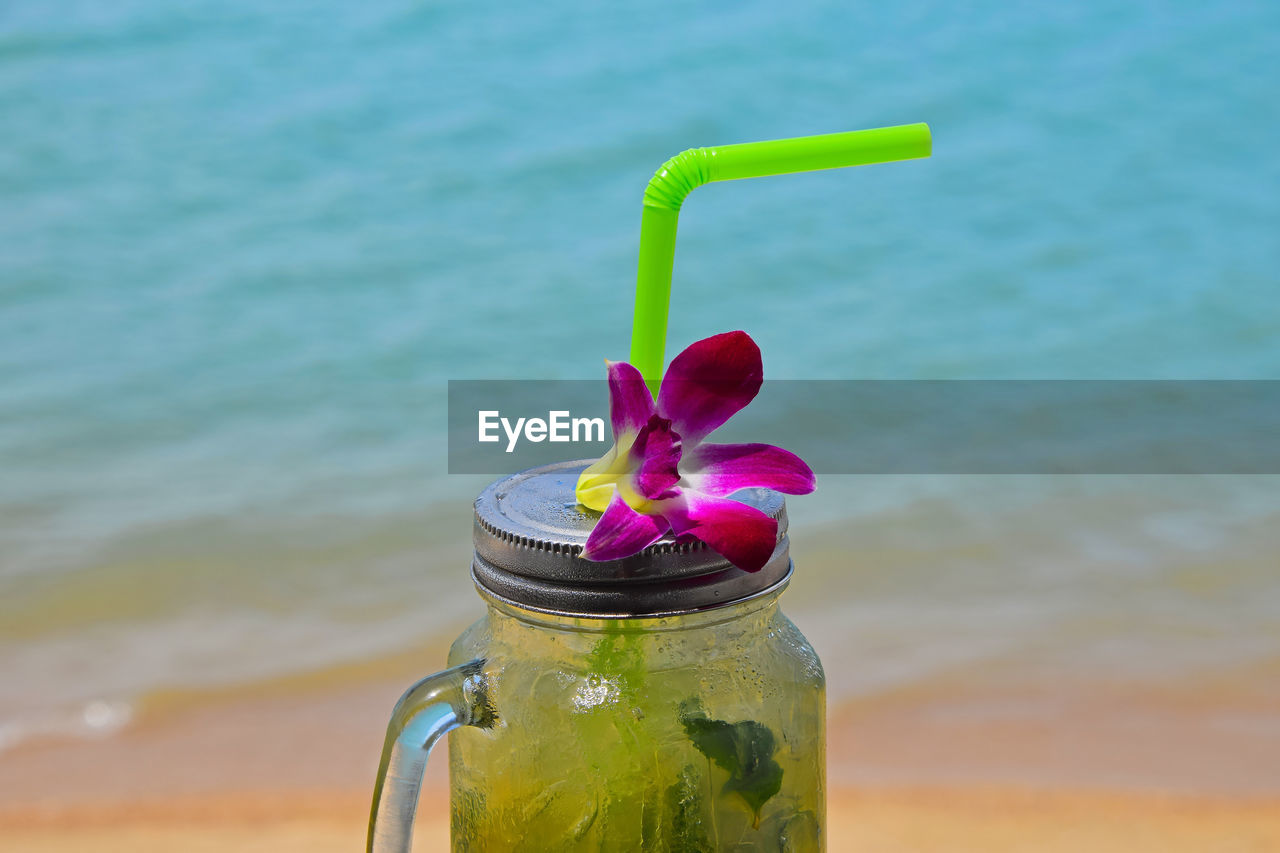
(426, 712)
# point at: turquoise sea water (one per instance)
(243, 246)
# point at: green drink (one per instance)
(684, 733)
(660, 702)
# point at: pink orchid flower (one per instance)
(661, 476)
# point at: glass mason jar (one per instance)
(661, 702)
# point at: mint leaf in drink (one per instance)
(745, 749)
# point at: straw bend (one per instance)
(679, 176)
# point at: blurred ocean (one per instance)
(243, 246)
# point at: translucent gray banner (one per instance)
(909, 427)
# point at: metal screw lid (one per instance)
(529, 531)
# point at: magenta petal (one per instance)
(630, 401)
(722, 469)
(621, 532)
(657, 449)
(708, 382)
(742, 534)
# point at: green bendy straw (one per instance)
(688, 170)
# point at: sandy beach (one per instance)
(886, 820)
(289, 768)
